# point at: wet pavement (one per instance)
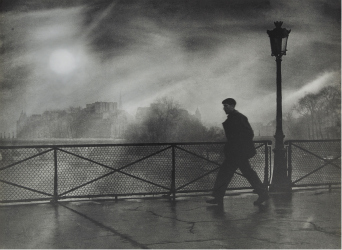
(304, 219)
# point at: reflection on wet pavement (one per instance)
(303, 219)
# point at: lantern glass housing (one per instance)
(278, 39)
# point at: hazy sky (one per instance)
(57, 54)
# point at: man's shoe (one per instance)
(215, 201)
(262, 197)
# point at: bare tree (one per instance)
(162, 118)
(167, 121)
(320, 113)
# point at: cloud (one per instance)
(313, 87)
(199, 52)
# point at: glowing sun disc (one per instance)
(62, 61)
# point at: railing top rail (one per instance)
(327, 140)
(269, 142)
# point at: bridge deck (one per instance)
(306, 219)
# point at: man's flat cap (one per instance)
(229, 101)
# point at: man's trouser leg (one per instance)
(251, 176)
(223, 178)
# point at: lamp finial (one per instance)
(278, 24)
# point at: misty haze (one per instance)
(57, 59)
(212, 124)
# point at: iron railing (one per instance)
(314, 162)
(55, 172)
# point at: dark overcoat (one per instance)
(239, 135)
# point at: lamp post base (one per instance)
(283, 187)
(280, 181)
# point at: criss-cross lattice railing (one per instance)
(57, 172)
(314, 162)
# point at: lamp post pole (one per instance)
(280, 179)
(279, 135)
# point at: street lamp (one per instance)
(280, 180)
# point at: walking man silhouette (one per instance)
(237, 150)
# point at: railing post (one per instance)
(270, 161)
(266, 166)
(289, 160)
(55, 183)
(173, 181)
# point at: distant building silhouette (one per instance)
(97, 120)
(102, 107)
